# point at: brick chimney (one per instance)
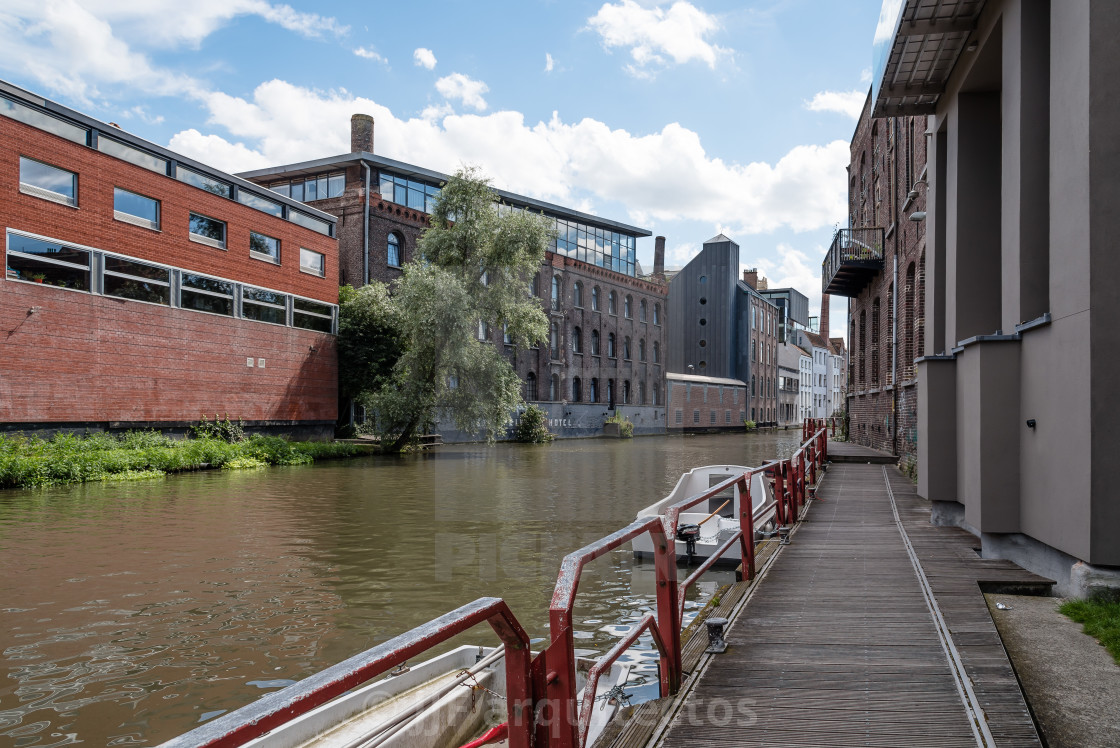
(361, 133)
(659, 256)
(750, 277)
(824, 316)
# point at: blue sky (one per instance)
(686, 118)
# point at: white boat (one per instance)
(717, 519)
(445, 701)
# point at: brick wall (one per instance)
(888, 156)
(84, 358)
(706, 406)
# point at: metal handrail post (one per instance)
(780, 490)
(668, 620)
(746, 525)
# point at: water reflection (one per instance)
(130, 612)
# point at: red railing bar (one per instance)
(279, 707)
(694, 576)
(606, 661)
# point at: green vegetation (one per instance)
(414, 350)
(532, 428)
(750, 425)
(1100, 619)
(138, 455)
(625, 425)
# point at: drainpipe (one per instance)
(365, 228)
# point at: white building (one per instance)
(820, 351)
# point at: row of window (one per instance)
(59, 185)
(577, 344)
(62, 183)
(594, 393)
(557, 293)
(35, 259)
(711, 417)
(318, 187)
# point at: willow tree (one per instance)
(471, 270)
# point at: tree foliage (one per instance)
(369, 340)
(472, 266)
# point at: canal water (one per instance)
(131, 612)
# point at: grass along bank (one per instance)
(1100, 619)
(68, 458)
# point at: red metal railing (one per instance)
(541, 691)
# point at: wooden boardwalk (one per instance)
(841, 646)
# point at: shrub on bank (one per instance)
(68, 458)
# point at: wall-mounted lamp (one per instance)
(1031, 423)
(918, 215)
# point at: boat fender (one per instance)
(493, 735)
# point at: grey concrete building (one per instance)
(721, 326)
(1018, 404)
(793, 310)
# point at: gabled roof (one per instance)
(717, 239)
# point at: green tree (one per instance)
(472, 267)
(369, 339)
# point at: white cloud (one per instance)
(76, 48)
(849, 103)
(463, 88)
(865, 76)
(368, 53)
(658, 176)
(549, 63)
(888, 15)
(656, 36)
(425, 58)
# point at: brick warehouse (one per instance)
(879, 263)
(143, 289)
(607, 321)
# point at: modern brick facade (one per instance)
(628, 368)
(887, 317)
(701, 404)
(97, 349)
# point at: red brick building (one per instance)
(606, 343)
(143, 289)
(879, 262)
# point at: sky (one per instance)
(686, 118)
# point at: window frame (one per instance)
(44, 193)
(393, 239)
(262, 256)
(132, 218)
(322, 272)
(208, 241)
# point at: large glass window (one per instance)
(408, 192)
(394, 251)
(596, 246)
(47, 262)
(318, 187)
(46, 181)
(132, 155)
(260, 203)
(309, 222)
(35, 118)
(136, 209)
(264, 247)
(129, 279)
(203, 182)
(206, 230)
(311, 315)
(204, 294)
(311, 262)
(264, 306)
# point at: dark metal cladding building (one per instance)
(721, 327)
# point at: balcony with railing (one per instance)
(855, 257)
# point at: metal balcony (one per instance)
(855, 257)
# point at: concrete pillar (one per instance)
(937, 433)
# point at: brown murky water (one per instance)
(130, 613)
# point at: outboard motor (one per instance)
(689, 534)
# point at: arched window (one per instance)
(577, 340)
(612, 303)
(642, 349)
(577, 295)
(577, 390)
(753, 388)
(610, 345)
(909, 324)
(656, 394)
(555, 293)
(656, 352)
(626, 348)
(535, 289)
(657, 314)
(393, 246)
(595, 299)
(530, 386)
(594, 342)
(554, 388)
(863, 346)
(875, 308)
(642, 311)
(628, 307)
(610, 392)
(889, 352)
(554, 340)
(626, 392)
